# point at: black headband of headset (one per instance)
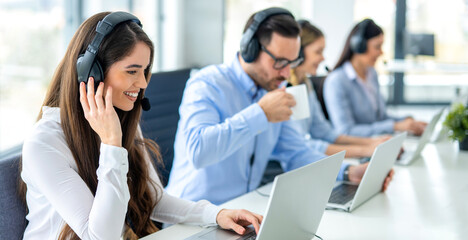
(104, 27)
(301, 22)
(258, 19)
(362, 27)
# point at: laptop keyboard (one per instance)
(343, 193)
(249, 236)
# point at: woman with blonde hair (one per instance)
(86, 166)
(318, 132)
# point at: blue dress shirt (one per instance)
(317, 131)
(354, 108)
(221, 126)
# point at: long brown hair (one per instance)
(84, 143)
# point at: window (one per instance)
(30, 48)
(34, 37)
(443, 76)
(427, 79)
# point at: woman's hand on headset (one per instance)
(100, 113)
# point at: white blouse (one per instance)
(56, 193)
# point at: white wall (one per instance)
(335, 18)
(204, 29)
(171, 31)
(192, 33)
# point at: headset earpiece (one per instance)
(301, 23)
(358, 43)
(250, 46)
(96, 72)
(250, 53)
(302, 54)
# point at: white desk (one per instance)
(426, 200)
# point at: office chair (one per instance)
(272, 169)
(12, 210)
(160, 123)
(318, 82)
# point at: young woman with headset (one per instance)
(351, 90)
(86, 167)
(318, 132)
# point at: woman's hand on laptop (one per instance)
(237, 219)
(357, 172)
(418, 127)
(411, 125)
(388, 179)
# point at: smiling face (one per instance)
(262, 70)
(313, 56)
(374, 50)
(128, 76)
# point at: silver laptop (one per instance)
(295, 208)
(348, 196)
(413, 151)
(440, 132)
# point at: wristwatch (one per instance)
(346, 173)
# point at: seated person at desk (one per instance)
(86, 168)
(351, 91)
(318, 132)
(233, 117)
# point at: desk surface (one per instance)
(426, 200)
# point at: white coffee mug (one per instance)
(301, 110)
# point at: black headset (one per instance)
(87, 65)
(301, 23)
(358, 43)
(250, 46)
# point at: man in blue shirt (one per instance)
(234, 117)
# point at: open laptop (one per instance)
(413, 151)
(440, 132)
(296, 205)
(348, 196)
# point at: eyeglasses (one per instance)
(281, 63)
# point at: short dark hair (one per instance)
(283, 24)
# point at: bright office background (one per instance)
(193, 33)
